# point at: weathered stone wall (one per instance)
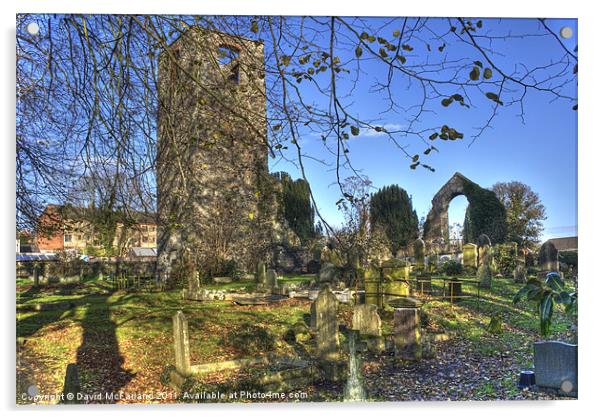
(212, 173)
(437, 219)
(485, 211)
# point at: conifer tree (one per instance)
(391, 209)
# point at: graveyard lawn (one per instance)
(123, 342)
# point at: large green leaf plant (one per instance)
(546, 293)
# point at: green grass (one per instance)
(469, 318)
(124, 339)
(112, 334)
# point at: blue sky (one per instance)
(541, 152)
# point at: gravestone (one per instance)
(181, 343)
(328, 273)
(484, 251)
(484, 272)
(327, 328)
(406, 321)
(395, 269)
(395, 275)
(272, 280)
(366, 320)
(372, 285)
(194, 291)
(261, 275)
(548, 258)
(71, 386)
(556, 366)
(469, 255)
(419, 247)
(520, 273)
(483, 239)
(194, 283)
(484, 275)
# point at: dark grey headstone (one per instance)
(406, 336)
(483, 240)
(556, 366)
(272, 279)
(548, 257)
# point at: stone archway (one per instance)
(436, 226)
(486, 212)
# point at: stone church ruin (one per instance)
(213, 186)
(485, 213)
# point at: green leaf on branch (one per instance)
(487, 74)
(254, 26)
(494, 97)
(355, 130)
(475, 73)
(358, 52)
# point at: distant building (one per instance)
(565, 244)
(65, 227)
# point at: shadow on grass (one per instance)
(99, 359)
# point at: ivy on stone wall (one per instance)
(485, 215)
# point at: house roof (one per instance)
(143, 252)
(565, 243)
(71, 212)
(36, 257)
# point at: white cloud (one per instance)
(387, 127)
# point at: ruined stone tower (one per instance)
(212, 151)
